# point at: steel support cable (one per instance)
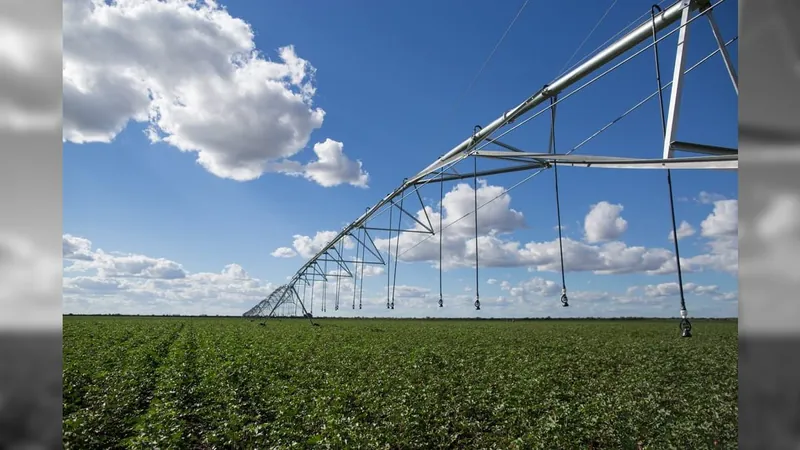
(397, 248)
(581, 144)
(552, 149)
(633, 108)
(593, 52)
(543, 110)
(562, 71)
(646, 99)
(504, 192)
(685, 325)
(475, 196)
(598, 77)
(441, 237)
(383, 209)
(489, 58)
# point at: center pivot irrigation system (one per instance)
(706, 156)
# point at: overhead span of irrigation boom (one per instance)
(705, 156)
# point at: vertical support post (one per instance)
(723, 50)
(677, 81)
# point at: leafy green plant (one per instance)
(229, 383)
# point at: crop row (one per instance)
(230, 383)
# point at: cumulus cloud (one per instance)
(673, 289)
(603, 223)
(723, 221)
(284, 252)
(30, 281)
(708, 198)
(76, 248)
(113, 265)
(684, 230)
(540, 296)
(332, 167)
(720, 228)
(192, 72)
(599, 254)
(307, 246)
(101, 282)
(91, 287)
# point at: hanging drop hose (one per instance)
(363, 256)
(552, 149)
(684, 325)
(397, 244)
(325, 286)
(338, 277)
(355, 269)
(305, 285)
(389, 259)
(361, 286)
(313, 283)
(441, 215)
(475, 192)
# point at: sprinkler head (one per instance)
(441, 302)
(685, 325)
(564, 300)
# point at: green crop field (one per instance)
(232, 383)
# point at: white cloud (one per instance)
(307, 247)
(603, 223)
(497, 220)
(284, 252)
(30, 281)
(192, 71)
(138, 284)
(113, 265)
(723, 221)
(708, 198)
(536, 286)
(721, 230)
(93, 287)
(76, 248)
(332, 167)
(673, 289)
(684, 230)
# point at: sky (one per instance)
(209, 149)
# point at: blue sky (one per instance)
(391, 80)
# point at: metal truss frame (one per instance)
(704, 157)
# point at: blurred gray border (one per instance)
(769, 308)
(31, 208)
